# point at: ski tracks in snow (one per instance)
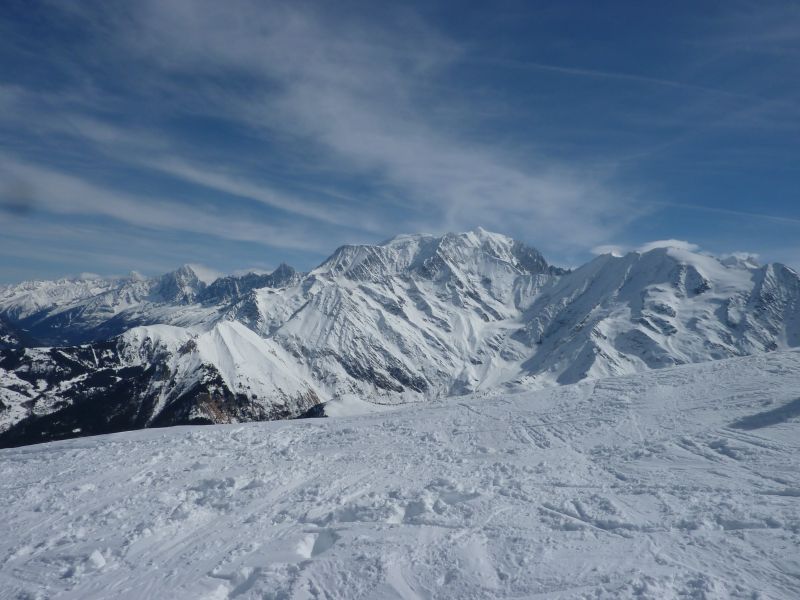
(635, 487)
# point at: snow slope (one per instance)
(676, 483)
(150, 376)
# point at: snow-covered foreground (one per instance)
(673, 483)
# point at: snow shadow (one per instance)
(769, 417)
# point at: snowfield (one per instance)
(676, 483)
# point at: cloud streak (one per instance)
(297, 127)
(355, 95)
(62, 194)
(361, 101)
(610, 75)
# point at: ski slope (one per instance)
(675, 483)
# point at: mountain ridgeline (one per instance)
(415, 318)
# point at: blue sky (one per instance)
(144, 135)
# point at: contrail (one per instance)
(524, 64)
(728, 211)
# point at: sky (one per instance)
(241, 134)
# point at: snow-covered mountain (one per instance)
(414, 318)
(150, 376)
(660, 308)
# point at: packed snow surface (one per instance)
(676, 483)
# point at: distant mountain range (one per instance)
(412, 319)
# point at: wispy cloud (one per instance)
(697, 207)
(58, 193)
(355, 94)
(679, 244)
(619, 250)
(237, 186)
(609, 75)
(613, 249)
(299, 126)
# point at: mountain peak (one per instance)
(233, 286)
(181, 285)
(135, 276)
(431, 256)
(283, 272)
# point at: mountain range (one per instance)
(416, 318)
